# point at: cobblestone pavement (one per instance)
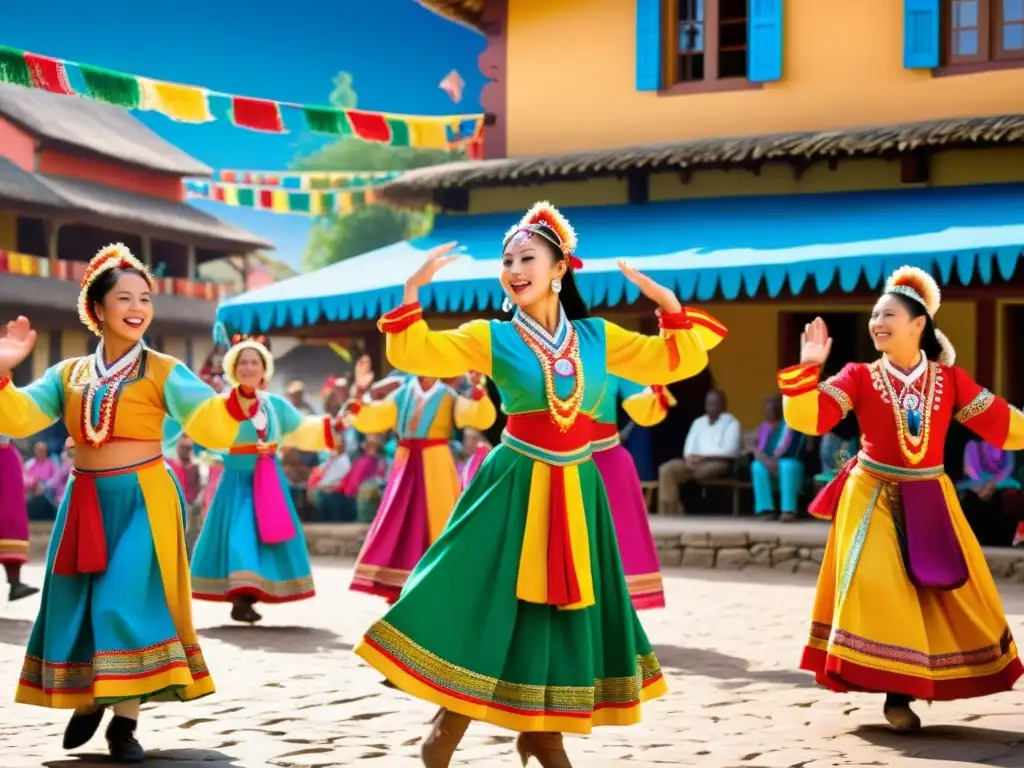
(291, 693)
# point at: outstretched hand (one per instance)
(16, 342)
(437, 259)
(815, 343)
(656, 292)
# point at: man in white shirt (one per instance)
(712, 445)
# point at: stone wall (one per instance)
(799, 549)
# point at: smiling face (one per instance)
(127, 309)
(893, 329)
(250, 369)
(528, 266)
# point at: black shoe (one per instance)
(81, 728)
(20, 590)
(388, 684)
(121, 742)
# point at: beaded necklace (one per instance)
(558, 354)
(912, 406)
(110, 380)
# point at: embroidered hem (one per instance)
(249, 584)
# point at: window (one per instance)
(983, 32)
(706, 43)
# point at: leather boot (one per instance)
(121, 741)
(81, 728)
(899, 715)
(543, 746)
(440, 745)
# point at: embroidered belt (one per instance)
(932, 554)
(556, 524)
(419, 443)
(253, 449)
(605, 436)
(83, 544)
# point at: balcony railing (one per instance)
(13, 263)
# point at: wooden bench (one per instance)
(737, 487)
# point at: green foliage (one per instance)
(339, 237)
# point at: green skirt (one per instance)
(460, 638)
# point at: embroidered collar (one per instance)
(417, 387)
(119, 365)
(906, 379)
(556, 342)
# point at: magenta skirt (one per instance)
(632, 528)
(13, 512)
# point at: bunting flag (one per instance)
(306, 180)
(279, 200)
(453, 85)
(192, 104)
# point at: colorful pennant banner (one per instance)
(304, 180)
(280, 200)
(192, 104)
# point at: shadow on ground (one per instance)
(277, 639)
(958, 744)
(721, 666)
(157, 758)
(15, 631)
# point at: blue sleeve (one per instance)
(202, 413)
(628, 388)
(288, 416)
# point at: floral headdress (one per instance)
(241, 342)
(544, 220)
(919, 286)
(114, 256)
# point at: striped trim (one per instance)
(893, 474)
(560, 459)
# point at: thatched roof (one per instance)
(78, 124)
(469, 13)
(420, 186)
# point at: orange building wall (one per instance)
(843, 67)
(111, 174)
(17, 146)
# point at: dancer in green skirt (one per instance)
(519, 614)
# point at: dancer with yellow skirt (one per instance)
(906, 605)
(519, 614)
(115, 622)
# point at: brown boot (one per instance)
(440, 745)
(543, 746)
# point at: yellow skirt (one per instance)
(874, 630)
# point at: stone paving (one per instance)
(291, 694)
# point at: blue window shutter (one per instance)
(648, 45)
(764, 41)
(920, 34)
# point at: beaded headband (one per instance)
(114, 256)
(239, 344)
(544, 220)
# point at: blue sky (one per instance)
(396, 51)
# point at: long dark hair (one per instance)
(572, 301)
(104, 284)
(929, 341)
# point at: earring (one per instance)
(506, 304)
(556, 286)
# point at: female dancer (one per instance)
(14, 539)
(251, 547)
(519, 615)
(424, 484)
(906, 604)
(646, 407)
(115, 623)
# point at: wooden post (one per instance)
(51, 229)
(190, 263)
(147, 251)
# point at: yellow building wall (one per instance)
(571, 79)
(175, 347)
(201, 349)
(74, 343)
(41, 353)
(8, 231)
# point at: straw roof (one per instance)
(469, 13)
(420, 186)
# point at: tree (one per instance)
(337, 237)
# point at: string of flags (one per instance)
(194, 104)
(279, 200)
(306, 180)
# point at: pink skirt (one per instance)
(13, 512)
(632, 528)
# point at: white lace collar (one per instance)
(906, 379)
(119, 365)
(556, 342)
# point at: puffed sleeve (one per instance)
(307, 433)
(373, 417)
(24, 412)
(989, 416)
(210, 419)
(813, 407)
(475, 410)
(645, 406)
(413, 347)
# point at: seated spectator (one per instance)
(777, 465)
(40, 471)
(988, 472)
(59, 482)
(833, 453)
(325, 484)
(712, 446)
(296, 473)
(366, 481)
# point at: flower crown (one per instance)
(546, 221)
(916, 284)
(114, 256)
(240, 343)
